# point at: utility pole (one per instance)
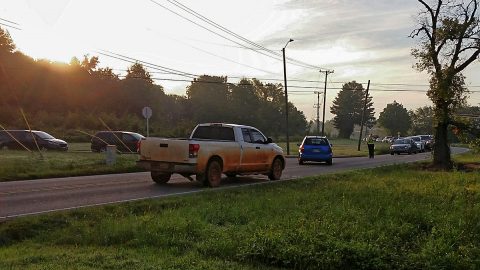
(325, 98)
(317, 106)
(363, 115)
(286, 94)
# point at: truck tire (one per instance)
(213, 174)
(276, 169)
(160, 177)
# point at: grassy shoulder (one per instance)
(343, 148)
(20, 165)
(384, 218)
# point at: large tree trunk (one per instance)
(441, 149)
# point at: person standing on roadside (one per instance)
(371, 146)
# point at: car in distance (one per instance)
(403, 145)
(124, 140)
(315, 148)
(419, 142)
(19, 139)
(387, 139)
(428, 141)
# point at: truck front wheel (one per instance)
(160, 177)
(213, 174)
(276, 170)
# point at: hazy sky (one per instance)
(359, 39)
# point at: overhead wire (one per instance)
(275, 56)
(224, 29)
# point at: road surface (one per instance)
(21, 198)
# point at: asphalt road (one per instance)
(21, 198)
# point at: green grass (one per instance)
(19, 165)
(343, 148)
(384, 218)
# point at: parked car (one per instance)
(403, 145)
(315, 148)
(428, 140)
(14, 139)
(124, 140)
(418, 141)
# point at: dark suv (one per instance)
(14, 139)
(124, 140)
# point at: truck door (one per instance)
(253, 158)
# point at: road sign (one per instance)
(147, 112)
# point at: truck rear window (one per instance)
(214, 133)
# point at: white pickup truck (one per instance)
(211, 150)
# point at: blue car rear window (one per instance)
(315, 141)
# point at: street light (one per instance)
(286, 94)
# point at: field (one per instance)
(20, 165)
(385, 218)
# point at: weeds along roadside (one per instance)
(389, 217)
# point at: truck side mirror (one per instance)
(269, 140)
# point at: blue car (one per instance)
(315, 148)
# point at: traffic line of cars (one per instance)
(35, 139)
(411, 145)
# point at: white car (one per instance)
(419, 142)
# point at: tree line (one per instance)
(63, 98)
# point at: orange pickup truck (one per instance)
(212, 150)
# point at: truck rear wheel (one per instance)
(160, 177)
(276, 170)
(213, 174)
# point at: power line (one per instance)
(1, 19)
(14, 27)
(222, 28)
(204, 19)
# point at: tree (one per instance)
(395, 119)
(90, 64)
(6, 42)
(449, 43)
(137, 72)
(422, 120)
(209, 96)
(348, 107)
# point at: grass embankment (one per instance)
(18, 165)
(343, 148)
(384, 218)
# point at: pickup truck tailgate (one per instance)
(160, 149)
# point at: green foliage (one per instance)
(422, 120)
(393, 217)
(395, 118)
(448, 44)
(63, 98)
(348, 107)
(6, 42)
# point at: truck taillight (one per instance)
(139, 143)
(193, 150)
(301, 148)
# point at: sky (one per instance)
(359, 40)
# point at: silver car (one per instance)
(403, 145)
(419, 142)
